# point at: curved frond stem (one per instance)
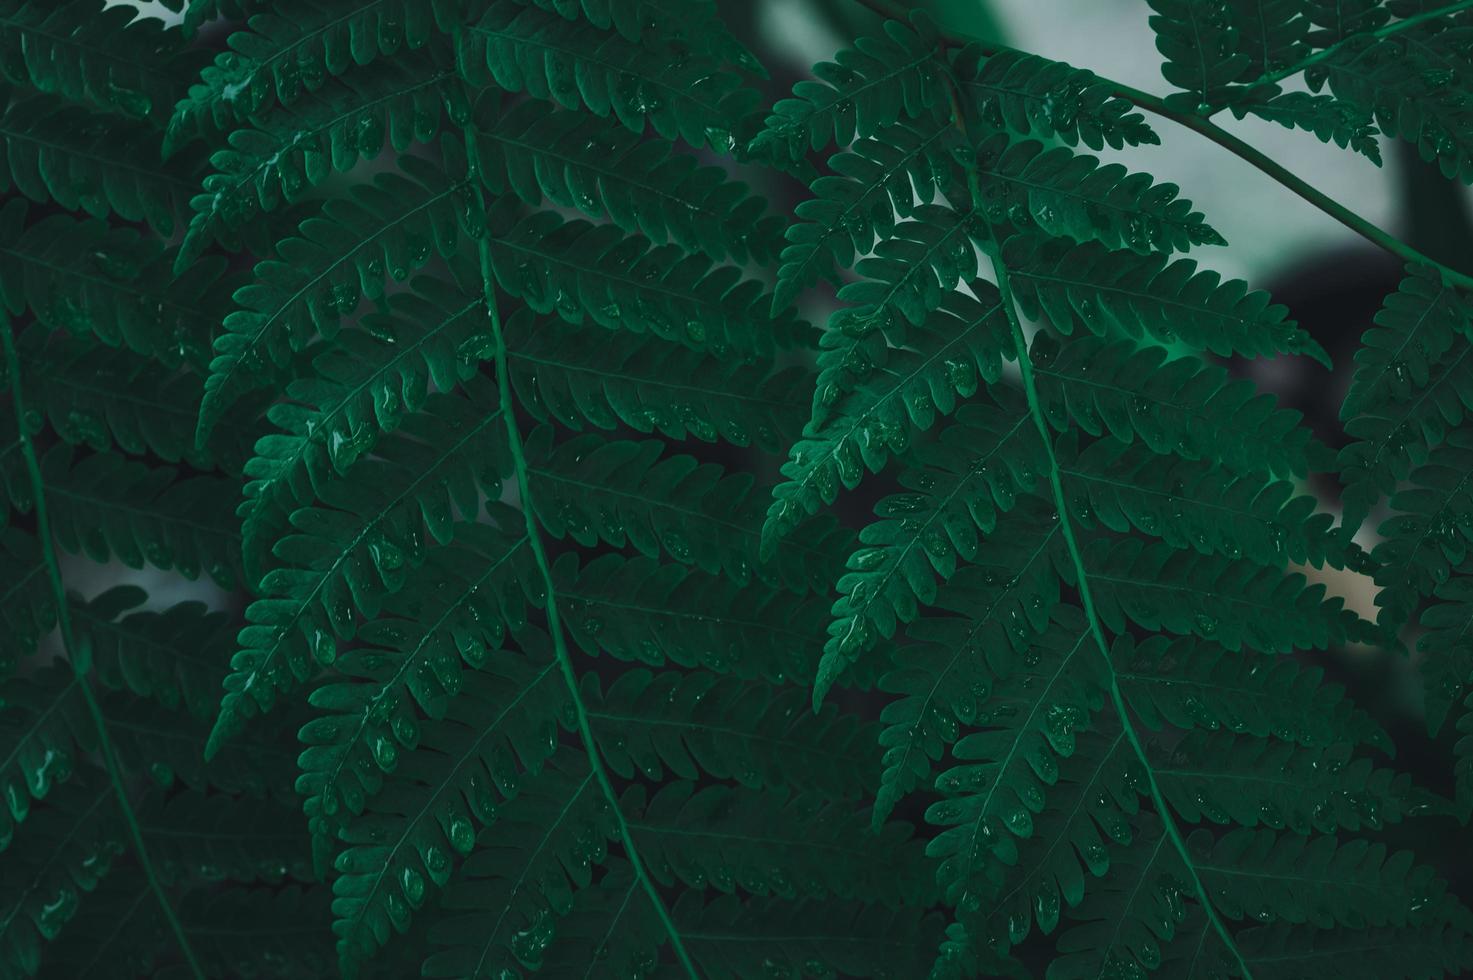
(1076, 557)
(544, 570)
(53, 571)
(1243, 150)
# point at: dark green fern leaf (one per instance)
(1181, 406)
(343, 556)
(72, 841)
(1411, 83)
(110, 57)
(1272, 33)
(106, 506)
(1204, 54)
(593, 273)
(43, 719)
(87, 277)
(878, 82)
(1071, 195)
(729, 729)
(174, 657)
(577, 65)
(608, 171)
(1332, 120)
(1124, 294)
(27, 608)
(561, 374)
(1258, 694)
(877, 180)
(287, 54)
(384, 229)
(873, 391)
(1407, 390)
(84, 160)
(1032, 96)
(284, 156)
(104, 398)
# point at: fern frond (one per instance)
(561, 374)
(411, 657)
(1228, 602)
(608, 171)
(44, 733)
(701, 722)
(694, 23)
(876, 83)
(169, 746)
(86, 277)
(27, 608)
(593, 273)
(287, 54)
(114, 58)
(1447, 665)
(590, 490)
(1192, 505)
(1427, 538)
(282, 156)
(1338, 20)
(219, 838)
(911, 271)
(741, 838)
(84, 160)
(1332, 120)
(104, 398)
(873, 391)
(1139, 909)
(556, 825)
(106, 506)
(1071, 195)
(1296, 879)
(1006, 769)
(1203, 52)
(356, 546)
(1027, 95)
(390, 227)
(1408, 388)
(1252, 782)
(1299, 953)
(117, 932)
(361, 384)
(955, 489)
(1273, 33)
(682, 94)
(1123, 294)
(1183, 406)
(877, 180)
(1091, 801)
(1187, 684)
(1409, 82)
(610, 927)
(640, 610)
(69, 849)
(282, 933)
(945, 678)
(173, 657)
(733, 938)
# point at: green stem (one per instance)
(1158, 801)
(79, 668)
(1200, 124)
(544, 570)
